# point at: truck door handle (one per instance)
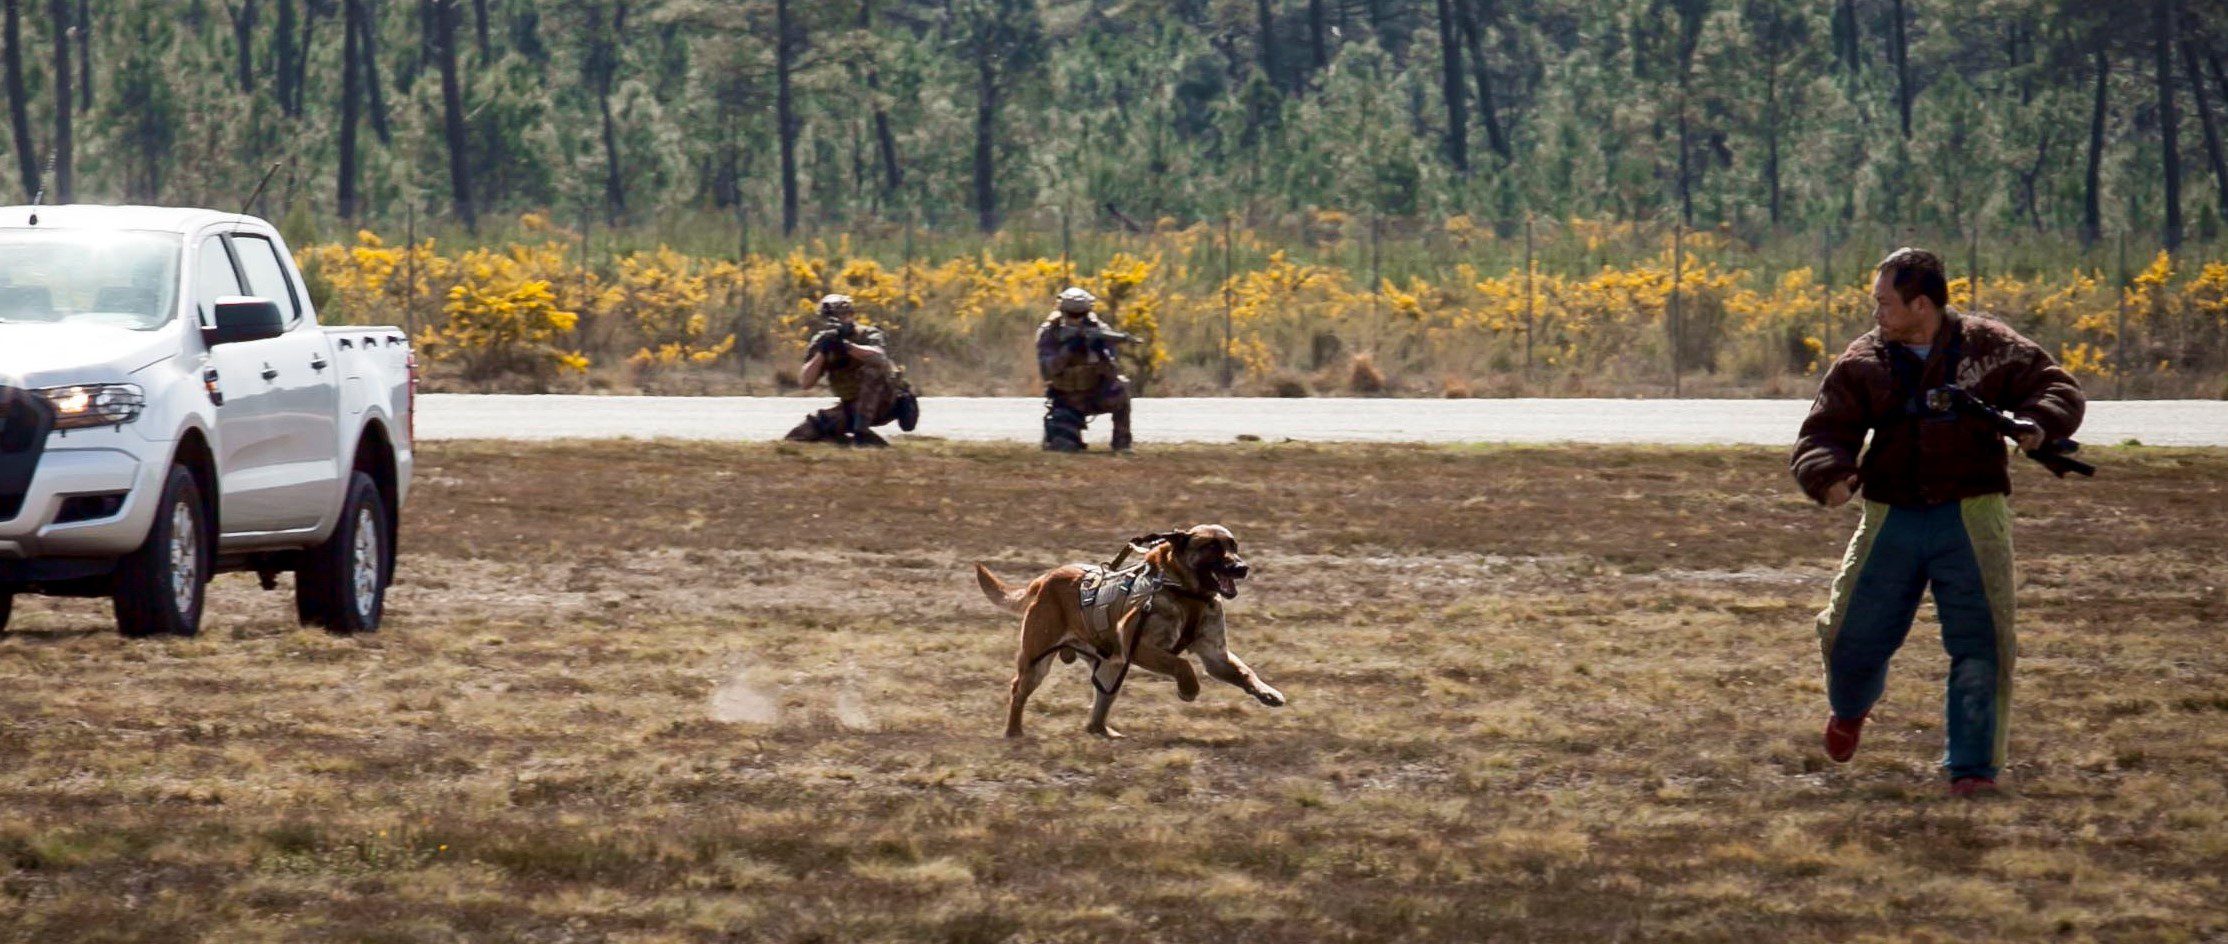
(269, 372)
(317, 362)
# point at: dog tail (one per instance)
(1007, 598)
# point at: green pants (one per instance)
(1962, 551)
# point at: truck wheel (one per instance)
(161, 586)
(342, 584)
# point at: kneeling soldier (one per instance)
(870, 391)
(1075, 356)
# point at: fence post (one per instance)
(1226, 301)
(1825, 294)
(1678, 273)
(587, 221)
(2119, 330)
(1972, 263)
(1374, 278)
(742, 236)
(742, 287)
(410, 268)
(1529, 322)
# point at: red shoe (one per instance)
(1972, 786)
(1841, 738)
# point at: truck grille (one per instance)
(25, 419)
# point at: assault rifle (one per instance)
(2055, 455)
(835, 335)
(1088, 334)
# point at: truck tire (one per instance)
(342, 584)
(160, 588)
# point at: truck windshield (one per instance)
(127, 279)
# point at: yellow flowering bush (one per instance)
(1595, 313)
(666, 296)
(496, 322)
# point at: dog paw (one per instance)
(1107, 733)
(1270, 697)
(1187, 690)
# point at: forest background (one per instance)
(1422, 197)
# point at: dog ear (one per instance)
(1175, 539)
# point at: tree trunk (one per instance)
(1771, 112)
(351, 105)
(1317, 30)
(614, 178)
(65, 190)
(243, 36)
(367, 38)
(1686, 193)
(1902, 70)
(479, 25)
(2169, 123)
(785, 114)
(1268, 42)
(2207, 122)
(2092, 217)
(2031, 180)
(302, 57)
(1473, 35)
(84, 55)
(284, 42)
(726, 170)
(986, 127)
(1847, 45)
(893, 177)
(1771, 131)
(1450, 84)
(19, 104)
(2022, 49)
(607, 74)
(427, 43)
(452, 111)
(2220, 74)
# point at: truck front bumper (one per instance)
(116, 497)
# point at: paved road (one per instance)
(1017, 419)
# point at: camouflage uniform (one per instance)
(1082, 380)
(867, 394)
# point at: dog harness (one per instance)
(1110, 595)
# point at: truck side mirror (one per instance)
(241, 318)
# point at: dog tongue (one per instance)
(1229, 587)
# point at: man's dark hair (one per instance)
(1916, 272)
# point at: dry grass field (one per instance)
(693, 693)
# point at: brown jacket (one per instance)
(1917, 458)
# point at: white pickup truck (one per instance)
(170, 409)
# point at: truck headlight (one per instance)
(89, 405)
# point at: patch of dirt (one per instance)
(690, 692)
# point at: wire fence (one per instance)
(1434, 306)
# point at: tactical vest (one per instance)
(844, 374)
(1086, 375)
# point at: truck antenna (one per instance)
(265, 182)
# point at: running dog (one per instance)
(1148, 615)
